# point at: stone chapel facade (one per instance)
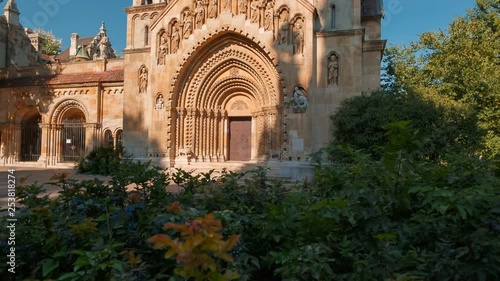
(204, 83)
(209, 81)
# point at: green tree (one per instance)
(51, 45)
(461, 63)
(446, 126)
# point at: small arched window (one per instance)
(146, 35)
(108, 139)
(334, 15)
(119, 139)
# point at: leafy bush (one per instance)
(399, 217)
(101, 161)
(360, 122)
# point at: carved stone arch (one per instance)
(25, 112)
(154, 16)
(220, 32)
(144, 16)
(65, 106)
(225, 87)
(227, 63)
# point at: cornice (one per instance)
(145, 8)
(136, 51)
(374, 45)
(346, 32)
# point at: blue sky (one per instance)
(404, 19)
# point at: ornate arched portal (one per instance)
(229, 81)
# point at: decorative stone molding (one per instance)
(374, 46)
(63, 106)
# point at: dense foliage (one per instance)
(462, 63)
(400, 217)
(359, 122)
(101, 161)
(50, 44)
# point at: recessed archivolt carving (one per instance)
(63, 107)
(231, 56)
(220, 32)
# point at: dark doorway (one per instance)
(240, 138)
(31, 138)
(73, 137)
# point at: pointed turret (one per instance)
(11, 12)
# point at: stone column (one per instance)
(45, 144)
(91, 140)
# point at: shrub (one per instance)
(360, 122)
(101, 161)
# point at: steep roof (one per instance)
(115, 75)
(85, 41)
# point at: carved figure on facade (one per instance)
(284, 28)
(255, 11)
(333, 70)
(299, 100)
(199, 14)
(188, 24)
(298, 39)
(176, 38)
(143, 79)
(104, 47)
(242, 7)
(162, 49)
(269, 16)
(212, 9)
(226, 5)
(160, 103)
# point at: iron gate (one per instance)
(73, 140)
(31, 140)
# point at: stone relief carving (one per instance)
(199, 14)
(212, 9)
(175, 39)
(162, 49)
(333, 70)
(299, 100)
(188, 24)
(226, 5)
(242, 7)
(298, 39)
(160, 103)
(239, 105)
(269, 16)
(143, 80)
(284, 27)
(254, 11)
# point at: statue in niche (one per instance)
(299, 100)
(254, 9)
(143, 80)
(226, 5)
(160, 102)
(298, 39)
(242, 7)
(333, 70)
(188, 24)
(162, 50)
(284, 28)
(176, 37)
(269, 16)
(199, 14)
(212, 9)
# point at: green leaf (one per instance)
(49, 266)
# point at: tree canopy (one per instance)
(51, 45)
(461, 64)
